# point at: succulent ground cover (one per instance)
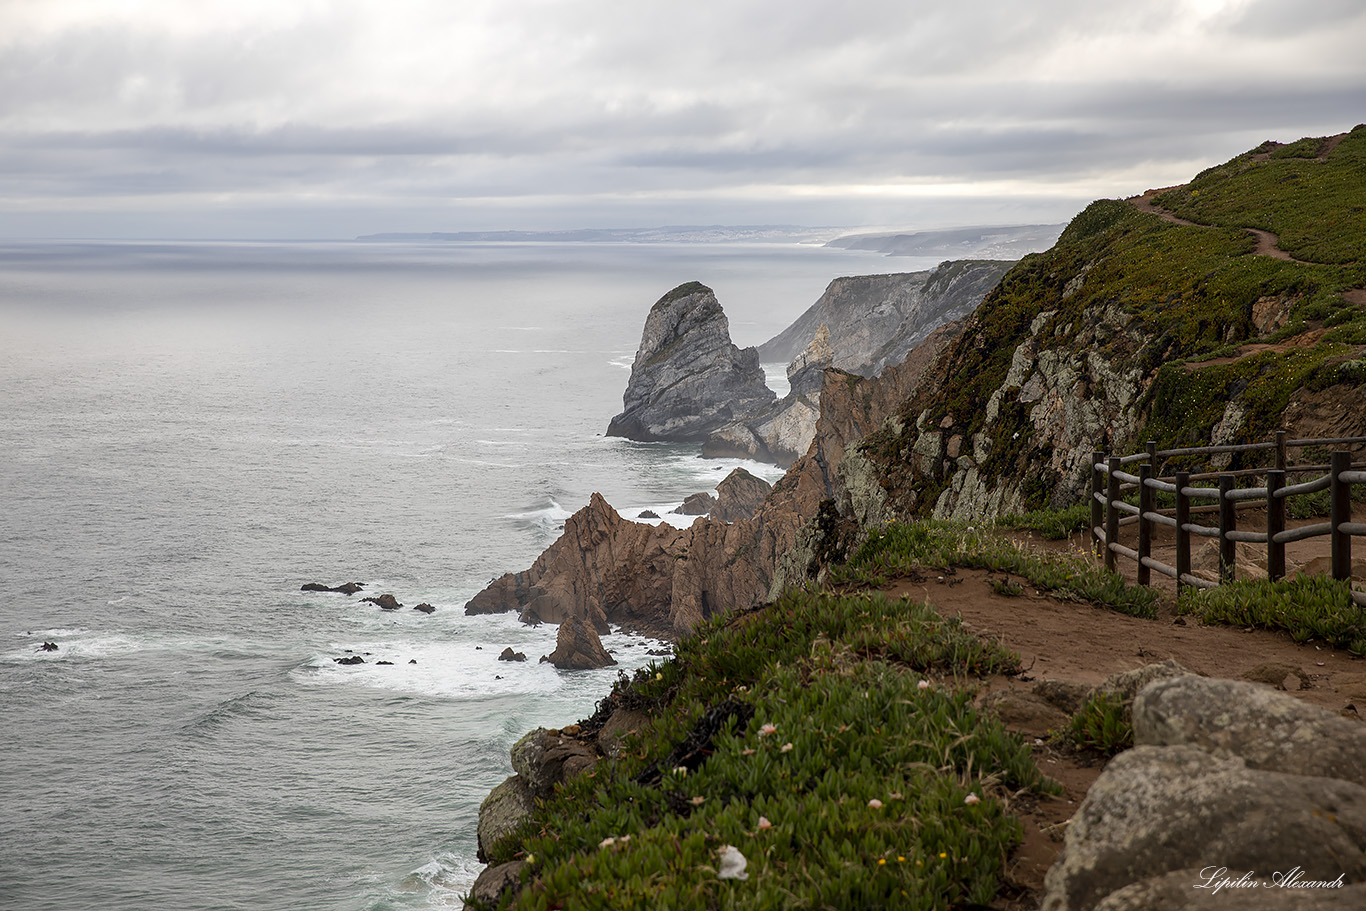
(829, 738)
(1309, 608)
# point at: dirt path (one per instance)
(1268, 244)
(1062, 640)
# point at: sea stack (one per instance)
(688, 377)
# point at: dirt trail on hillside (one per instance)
(1062, 640)
(1268, 244)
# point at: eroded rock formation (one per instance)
(688, 377)
(578, 648)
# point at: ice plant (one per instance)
(767, 729)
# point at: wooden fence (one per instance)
(1109, 510)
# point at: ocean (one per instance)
(189, 432)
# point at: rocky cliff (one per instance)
(874, 320)
(666, 580)
(688, 378)
(1139, 324)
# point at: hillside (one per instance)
(1171, 316)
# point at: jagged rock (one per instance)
(424, 607)
(1263, 728)
(648, 514)
(494, 881)
(509, 655)
(48, 647)
(544, 758)
(698, 504)
(1154, 806)
(688, 378)
(502, 812)
(806, 371)
(385, 602)
(350, 659)
(739, 496)
(348, 588)
(578, 648)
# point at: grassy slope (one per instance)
(1191, 289)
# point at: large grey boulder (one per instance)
(544, 758)
(1195, 890)
(502, 812)
(1158, 810)
(1264, 728)
(688, 377)
(494, 881)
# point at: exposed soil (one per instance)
(1061, 640)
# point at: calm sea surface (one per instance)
(189, 432)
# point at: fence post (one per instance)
(1228, 521)
(1112, 513)
(1145, 506)
(1096, 456)
(1280, 450)
(1275, 524)
(1340, 513)
(1152, 455)
(1183, 538)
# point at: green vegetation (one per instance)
(1051, 524)
(1103, 723)
(682, 291)
(1307, 607)
(1316, 207)
(818, 737)
(906, 549)
(1126, 300)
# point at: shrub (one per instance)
(1307, 607)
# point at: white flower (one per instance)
(764, 823)
(607, 842)
(875, 804)
(972, 799)
(732, 864)
(924, 684)
(785, 748)
(697, 801)
(768, 729)
(680, 770)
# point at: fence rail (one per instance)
(1109, 510)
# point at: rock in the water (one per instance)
(739, 496)
(349, 588)
(350, 659)
(509, 655)
(385, 602)
(1262, 727)
(577, 647)
(688, 378)
(424, 607)
(648, 514)
(48, 647)
(502, 812)
(698, 504)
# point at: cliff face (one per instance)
(605, 569)
(688, 378)
(874, 320)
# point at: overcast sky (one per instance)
(331, 118)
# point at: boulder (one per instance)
(618, 725)
(739, 496)
(494, 881)
(424, 607)
(48, 647)
(688, 377)
(1126, 684)
(1263, 728)
(385, 602)
(509, 655)
(1158, 810)
(698, 504)
(350, 659)
(544, 758)
(578, 648)
(1178, 892)
(502, 812)
(648, 514)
